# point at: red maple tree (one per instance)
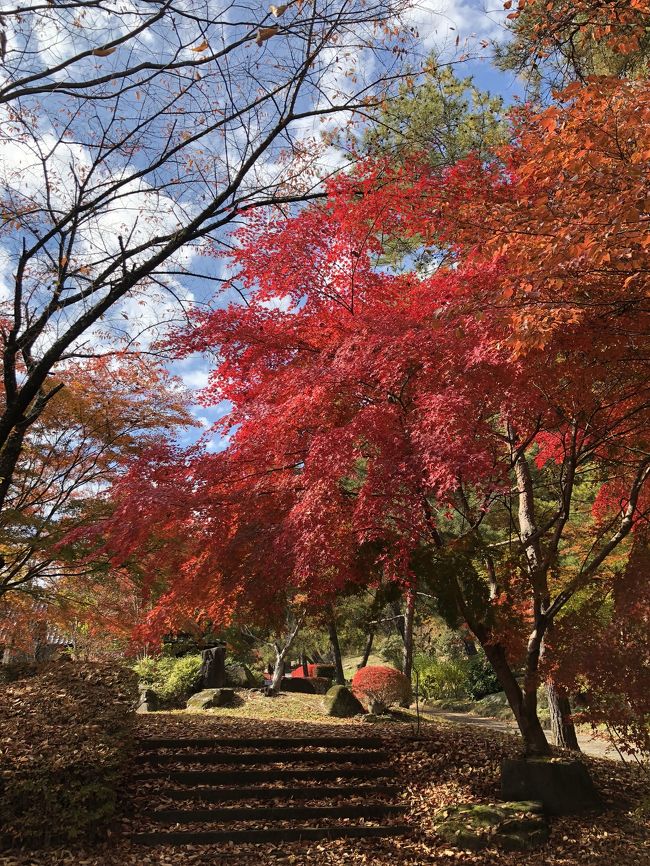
(387, 421)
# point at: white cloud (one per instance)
(439, 22)
(193, 370)
(41, 177)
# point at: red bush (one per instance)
(381, 686)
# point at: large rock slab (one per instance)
(341, 703)
(210, 698)
(564, 787)
(213, 673)
(241, 677)
(147, 700)
(514, 826)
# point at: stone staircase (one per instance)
(274, 789)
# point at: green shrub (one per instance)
(392, 651)
(172, 679)
(481, 679)
(444, 678)
(67, 746)
(456, 678)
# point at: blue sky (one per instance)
(69, 144)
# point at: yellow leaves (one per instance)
(203, 46)
(277, 11)
(265, 33)
(104, 52)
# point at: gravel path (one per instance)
(590, 745)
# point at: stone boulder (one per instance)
(147, 700)
(209, 698)
(515, 826)
(241, 677)
(563, 787)
(341, 703)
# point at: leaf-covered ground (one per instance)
(447, 764)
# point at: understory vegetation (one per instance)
(471, 677)
(172, 679)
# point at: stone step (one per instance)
(270, 813)
(280, 834)
(229, 777)
(264, 758)
(321, 792)
(261, 743)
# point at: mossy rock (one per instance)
(376, 718)
(209, 698)
(513, 826)
(341, 703)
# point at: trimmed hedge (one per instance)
(305, 685)
(381, 687)
(66, 741)
(315, 670)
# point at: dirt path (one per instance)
(598, 747)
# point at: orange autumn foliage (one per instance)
(567, 212)
(621, 24)
(110, 410)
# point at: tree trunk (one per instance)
(367, 650)
(523, 706)
(409, 616)
(336, 652)
(470, 647)
(562, 727)
(398, 618)
(280, 656)
(278, 672)
(407, 655)
(305, 669)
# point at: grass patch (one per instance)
(291, 707)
